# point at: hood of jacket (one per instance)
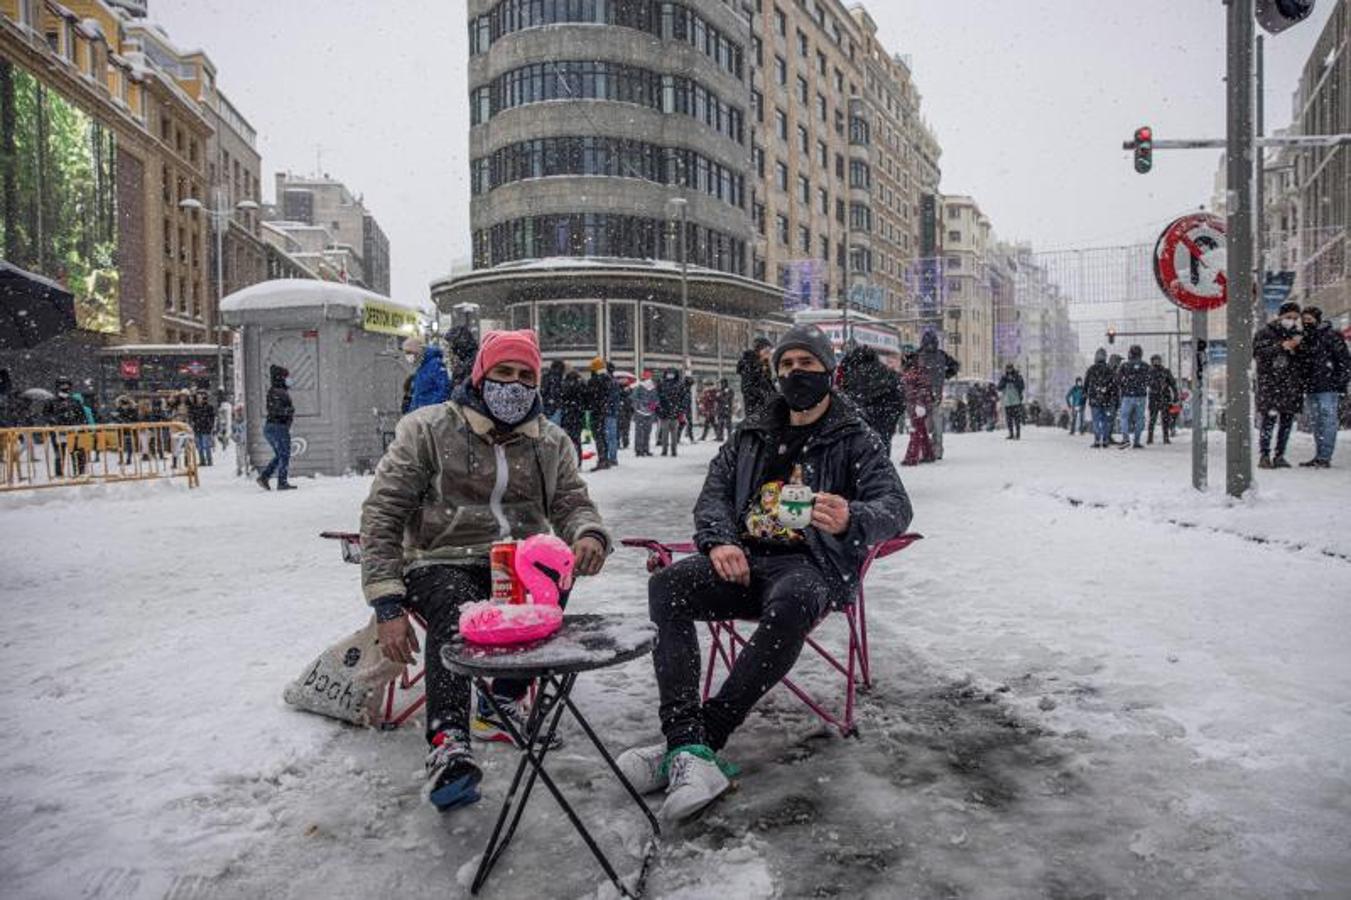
(277, 375)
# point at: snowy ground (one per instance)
(1091, 682)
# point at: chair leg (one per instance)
(865, 661)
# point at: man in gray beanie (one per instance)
(788, 511)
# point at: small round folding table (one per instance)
(584, 643)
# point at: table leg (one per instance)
(538, 712)
(561, 701)
(614, 767)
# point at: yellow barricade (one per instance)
(43, 457)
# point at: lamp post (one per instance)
(682, 206)
(220, 220)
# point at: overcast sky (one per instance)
(1030, 99)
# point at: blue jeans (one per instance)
(1323, 422)
(203, 448)
(279, 439)
(1102, 430)
(1132, 417)
(612, 438)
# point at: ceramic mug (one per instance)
(795, 506)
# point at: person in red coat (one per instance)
(919, 398)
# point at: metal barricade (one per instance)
(44, 457)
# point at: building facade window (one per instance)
(605, 234)
(607, 157)
(781, 176)
(780, 70)
(781, 228)
(670, 21)
(593, 80)
(781, 124)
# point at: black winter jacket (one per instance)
(1133, 378)
(1326, 362)
(757, 387)
(873, 388)
(280, 409)
(1280, 381)
(1099, 385)
(842, 457)
(670, 395)
(202, 417)
(551, 390)
(1162, 387)
(572, 397)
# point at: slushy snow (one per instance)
(1090, 681)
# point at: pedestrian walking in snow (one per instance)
(757, 385)
(940, 367)
(1132, 379)
(919, 396)
(723, 411)
(625, 413)
(1100, 391)
(1162, 397)
(644, 414)
(463, 349)
(752, 560)
(202, 418)
(1011, 388)
(277, 430)
(65, 411)
(1280, 382)
(874, 389)
(429, 523)
(572, 407)
(708, 408)
(603, 394)
(670, 398)
(431, 381)
(551, 392)
(1075, 398)
(1326, 366)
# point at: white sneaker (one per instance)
(695, 782)
(642, 767)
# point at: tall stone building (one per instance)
(1322, 105)
(352, 240)
(842, 154)
(968, 311)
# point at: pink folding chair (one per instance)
(396, 709)
(726, 640)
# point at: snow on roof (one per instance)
(291, 293)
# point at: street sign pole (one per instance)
(1240, 140)
(1200, 461)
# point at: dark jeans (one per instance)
(279, 439)
(436, 593)
(1013, 415)
(1168, 430)
(601, 438)
(1269, 421)
(788, 594)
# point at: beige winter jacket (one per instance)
(445, 490)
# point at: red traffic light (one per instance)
(1144, 134)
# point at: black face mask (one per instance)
(803, 389)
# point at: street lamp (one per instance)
(220, 220)
(682, 206)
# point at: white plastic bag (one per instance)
(347, 681)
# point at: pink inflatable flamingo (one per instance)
(544, 566)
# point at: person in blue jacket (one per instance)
(431, 382)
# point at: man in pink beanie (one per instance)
(487, 466)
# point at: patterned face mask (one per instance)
(509, 402)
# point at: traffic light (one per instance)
(1144, 149)
(1111, 334)
(1277, 15)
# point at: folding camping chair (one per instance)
(726, 640)
(395, 710)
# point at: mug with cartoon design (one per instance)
(795, 502)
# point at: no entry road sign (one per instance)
(1189, 262)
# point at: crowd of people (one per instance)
(65, 407)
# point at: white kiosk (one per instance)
(341, 345)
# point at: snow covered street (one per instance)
(1090, 682)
